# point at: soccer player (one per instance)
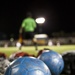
(28, 27)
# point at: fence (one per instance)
(61, 40)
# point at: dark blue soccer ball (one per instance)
(27, 66)
(53, 60)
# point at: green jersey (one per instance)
(29, 24)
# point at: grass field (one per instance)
(31, 49)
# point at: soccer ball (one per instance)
(41, 51)
(18, 54)
(27, 66)
(53, 60)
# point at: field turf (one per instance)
(31, 49)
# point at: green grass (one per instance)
(31, 49)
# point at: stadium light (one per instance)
(40, 20)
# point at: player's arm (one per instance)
(22, 27)
(21, 30)
(34, 24)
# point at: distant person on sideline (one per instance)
(28, 28)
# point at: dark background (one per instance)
(59, 15)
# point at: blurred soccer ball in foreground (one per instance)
(53, 60)
(27, 66)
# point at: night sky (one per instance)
(59, 15)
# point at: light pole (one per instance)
(40, 21)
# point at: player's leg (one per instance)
(19, 42)
(35, 43)
(34, 40)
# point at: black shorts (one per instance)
(28, 35)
